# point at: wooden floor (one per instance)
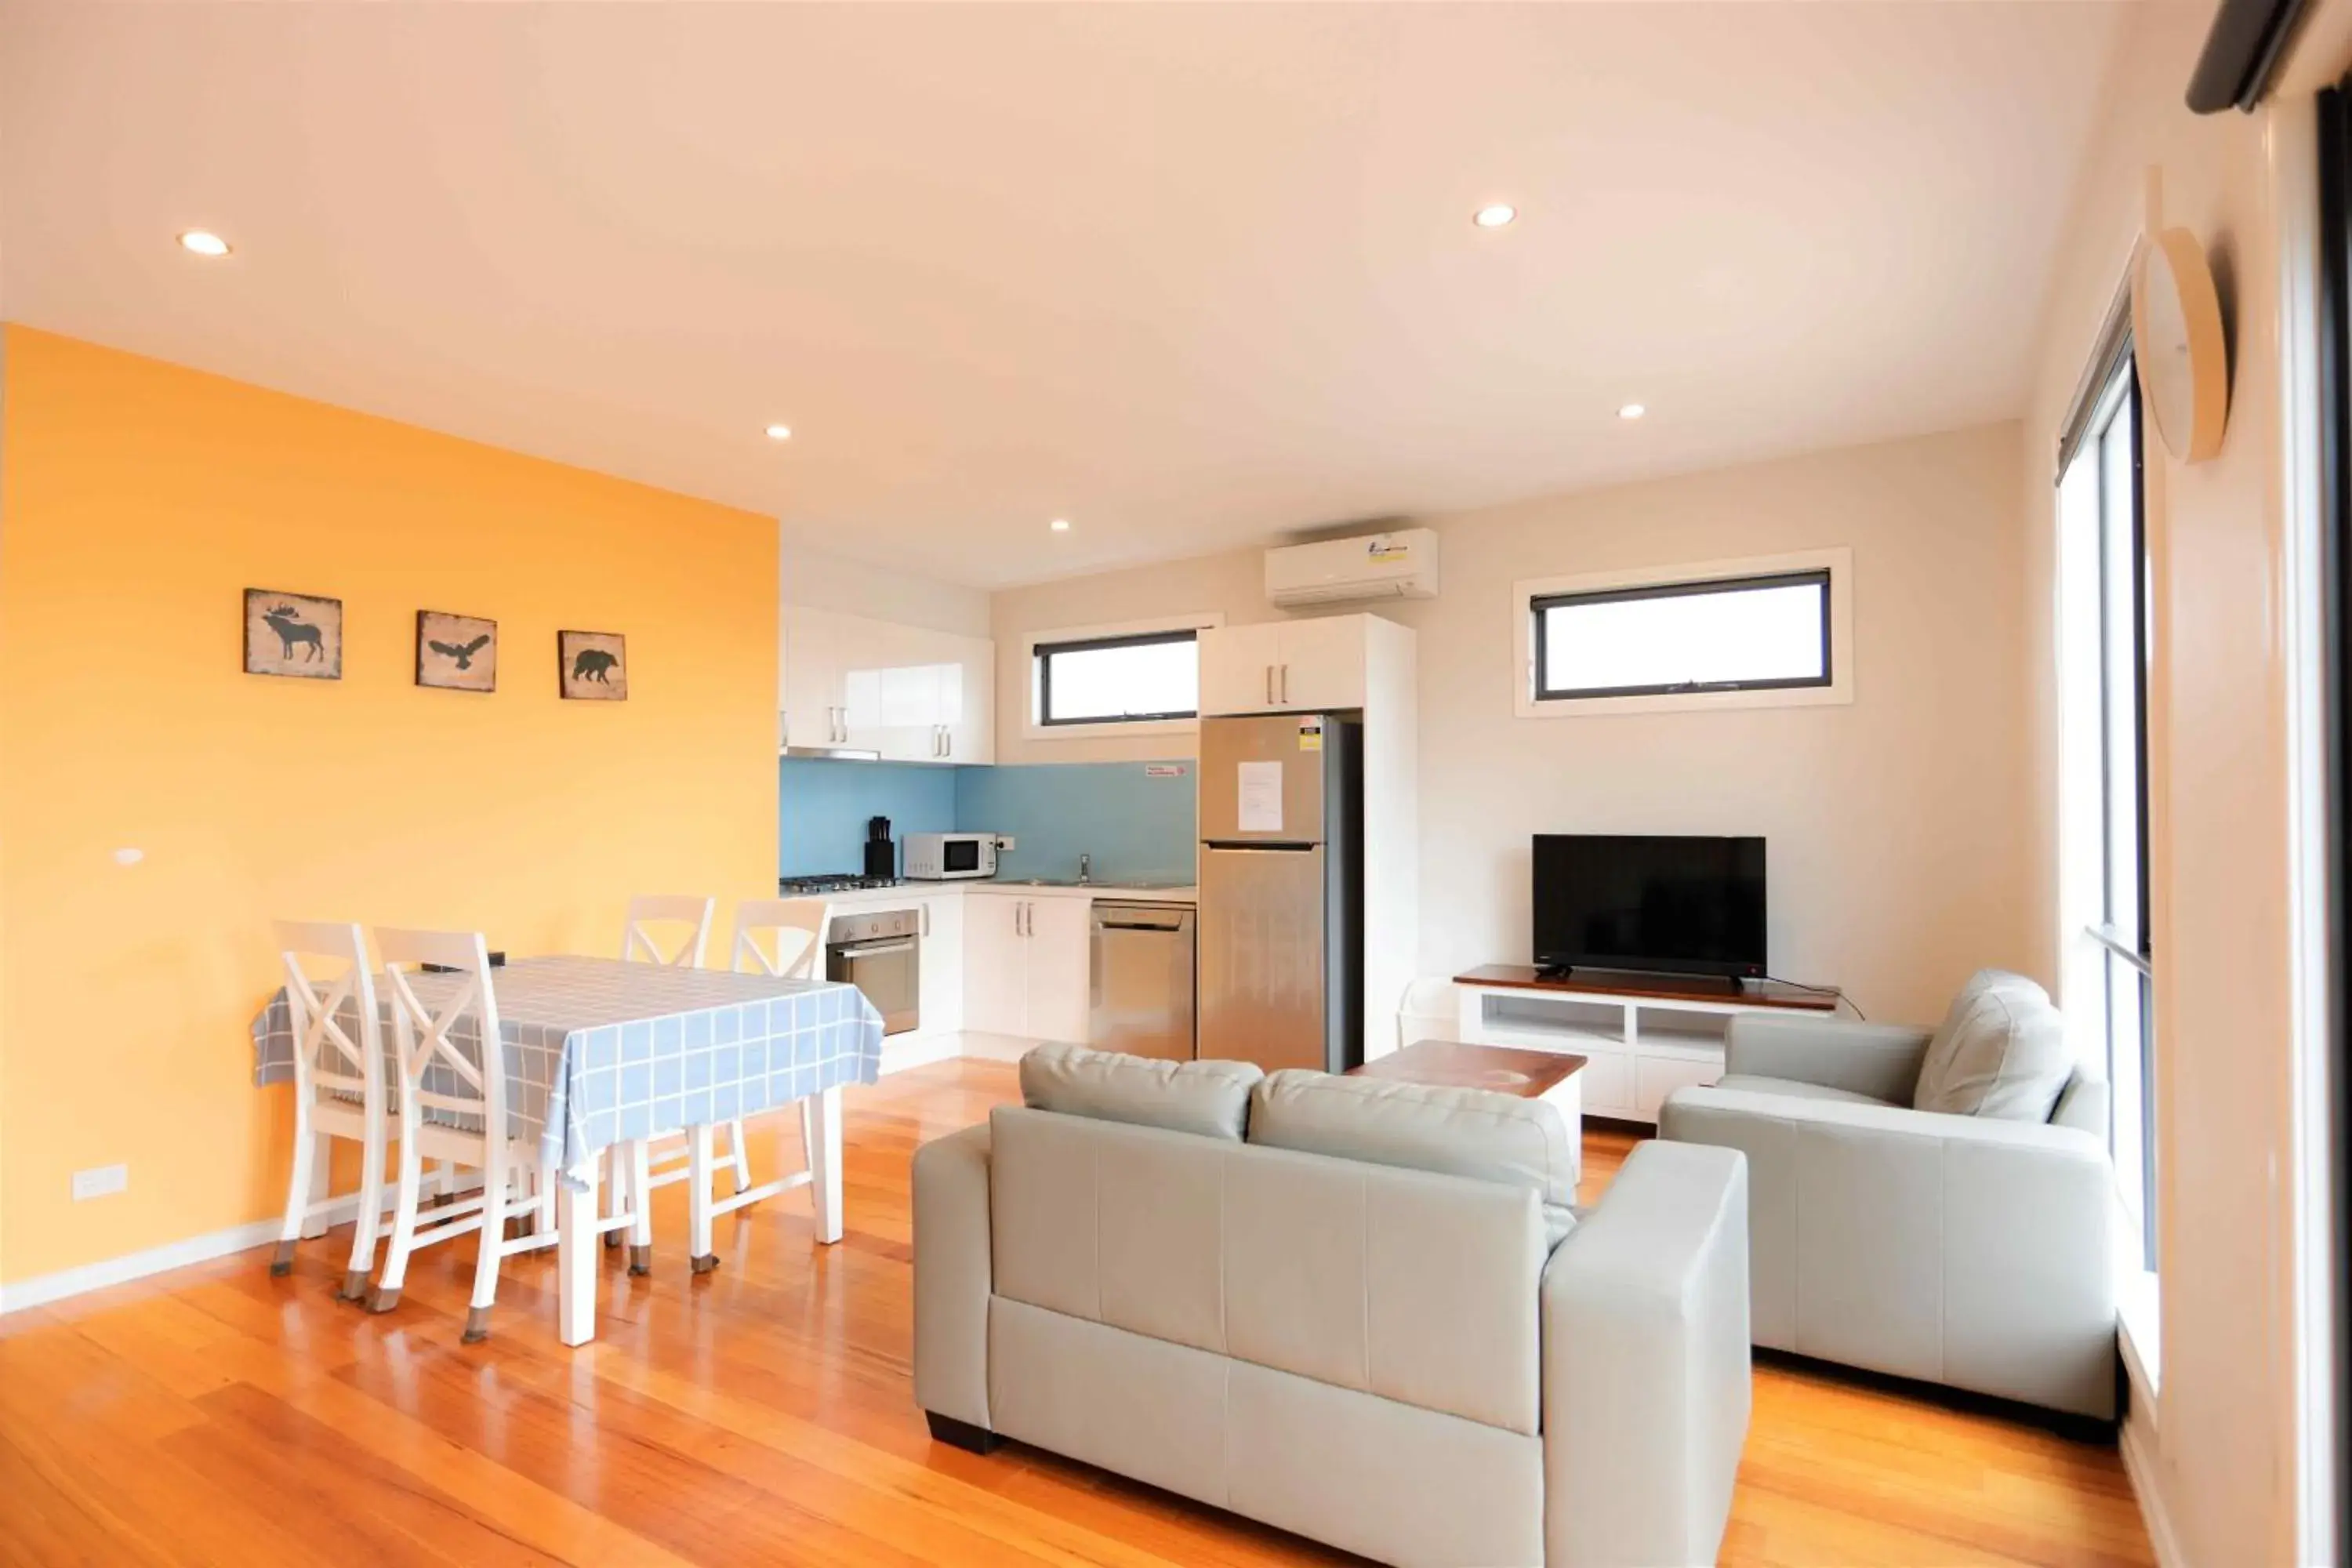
(763, 1415)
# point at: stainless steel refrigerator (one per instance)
(1282, 891)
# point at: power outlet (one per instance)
(101, 1180)
(1007, 841)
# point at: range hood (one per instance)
(837, 754)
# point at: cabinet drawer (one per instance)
(1606, 1087)
(1654, 1078)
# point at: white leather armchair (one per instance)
(1964, 1250)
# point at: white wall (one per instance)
(1895, 824)
(2223, 1430)
(814, 577)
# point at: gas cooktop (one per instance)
(837, 882)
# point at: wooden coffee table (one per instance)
(1530, 1074)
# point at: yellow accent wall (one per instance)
(138, 500)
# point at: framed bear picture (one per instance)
(594, 665)
(456, 653)
(301, 635)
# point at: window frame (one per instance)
(1528, 698)
(1541, 607)
(1033, 695)
(2137, 956)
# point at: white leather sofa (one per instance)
(1355, 1310)
(1970, 1251)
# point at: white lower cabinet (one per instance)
(995, 966)
(1026, 969)
(1059, 982)
(939, 989)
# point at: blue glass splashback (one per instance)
(1136, 819)
(821, 807)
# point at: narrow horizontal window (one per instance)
(1118, 680)
(1744, 634)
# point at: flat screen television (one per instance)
(1670, 905)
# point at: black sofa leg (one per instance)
(961, 1435)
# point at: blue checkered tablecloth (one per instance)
(599, 1051)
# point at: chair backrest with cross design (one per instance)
(792, 929)
(436, 1069)
(641, 945)
(331, 1003)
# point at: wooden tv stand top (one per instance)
(1665, 987)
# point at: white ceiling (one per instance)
(1190, 276)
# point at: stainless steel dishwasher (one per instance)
(1142, 979)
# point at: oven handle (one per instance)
(872, 950)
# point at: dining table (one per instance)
(600, 1053)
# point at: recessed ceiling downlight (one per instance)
(203, 242)
(1495, 215)
(779, 432)
(1060, 525)
(1631, 411)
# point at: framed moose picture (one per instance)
(594, 665)
(459, 653)
(300, 635)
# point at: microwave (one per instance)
(945, 856)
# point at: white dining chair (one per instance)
(452, 1107)
(339, 1087)
(642, 944)
(666, 1157)
(784, 939)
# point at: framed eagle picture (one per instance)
(458, 653)
(594, 665)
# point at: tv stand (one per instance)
(1643, 982)
(1643, 1035)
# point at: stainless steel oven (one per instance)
(881, 954)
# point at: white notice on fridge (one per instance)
(1261, 797)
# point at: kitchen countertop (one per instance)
(884, 898)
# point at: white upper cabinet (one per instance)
(1322, 663)
(814, 699)
(906, 693)
(1237, 665)
(1274, 667)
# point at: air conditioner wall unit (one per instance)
(1398, 565)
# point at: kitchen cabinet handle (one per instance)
(1285, 686)
(1269, 685)
(947, 741)
(926, 916)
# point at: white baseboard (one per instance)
(43, 1288)
(922, 1050)
(998, 1047)
(2137, 1441)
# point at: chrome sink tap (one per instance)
(1085, 869)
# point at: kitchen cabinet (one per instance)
(1025, 967)
(940, 990)
(906, 693)
(1275, 666)
(1059, 981)
(810, 686)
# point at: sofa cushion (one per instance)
(1211, 1098)
(1472, 1132)
(1755, 1084)
(2000, 1052)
